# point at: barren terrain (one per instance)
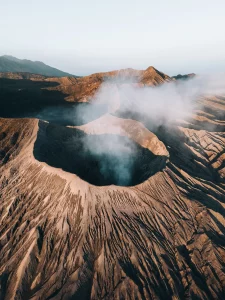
(72, 229)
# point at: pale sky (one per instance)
(88, 36)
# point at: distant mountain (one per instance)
(13, 64)
(183, 77)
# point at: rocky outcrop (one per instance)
(184, 77)
(153, 77)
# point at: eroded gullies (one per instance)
(98, 159)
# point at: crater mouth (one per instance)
(101, 160)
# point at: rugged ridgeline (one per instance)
(66, 234)
(83, 89)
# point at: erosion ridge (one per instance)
(62, 237)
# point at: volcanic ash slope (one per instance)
(62, 237)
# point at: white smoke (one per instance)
(162, 104)
(115, 156)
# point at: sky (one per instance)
(89, 36)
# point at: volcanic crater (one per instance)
(100, 159)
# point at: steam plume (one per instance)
(162, 105)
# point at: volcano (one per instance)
(108, 206)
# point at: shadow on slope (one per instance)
(24, 98)
(98, 159)
(179, 146)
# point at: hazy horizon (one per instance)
(89, 37)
